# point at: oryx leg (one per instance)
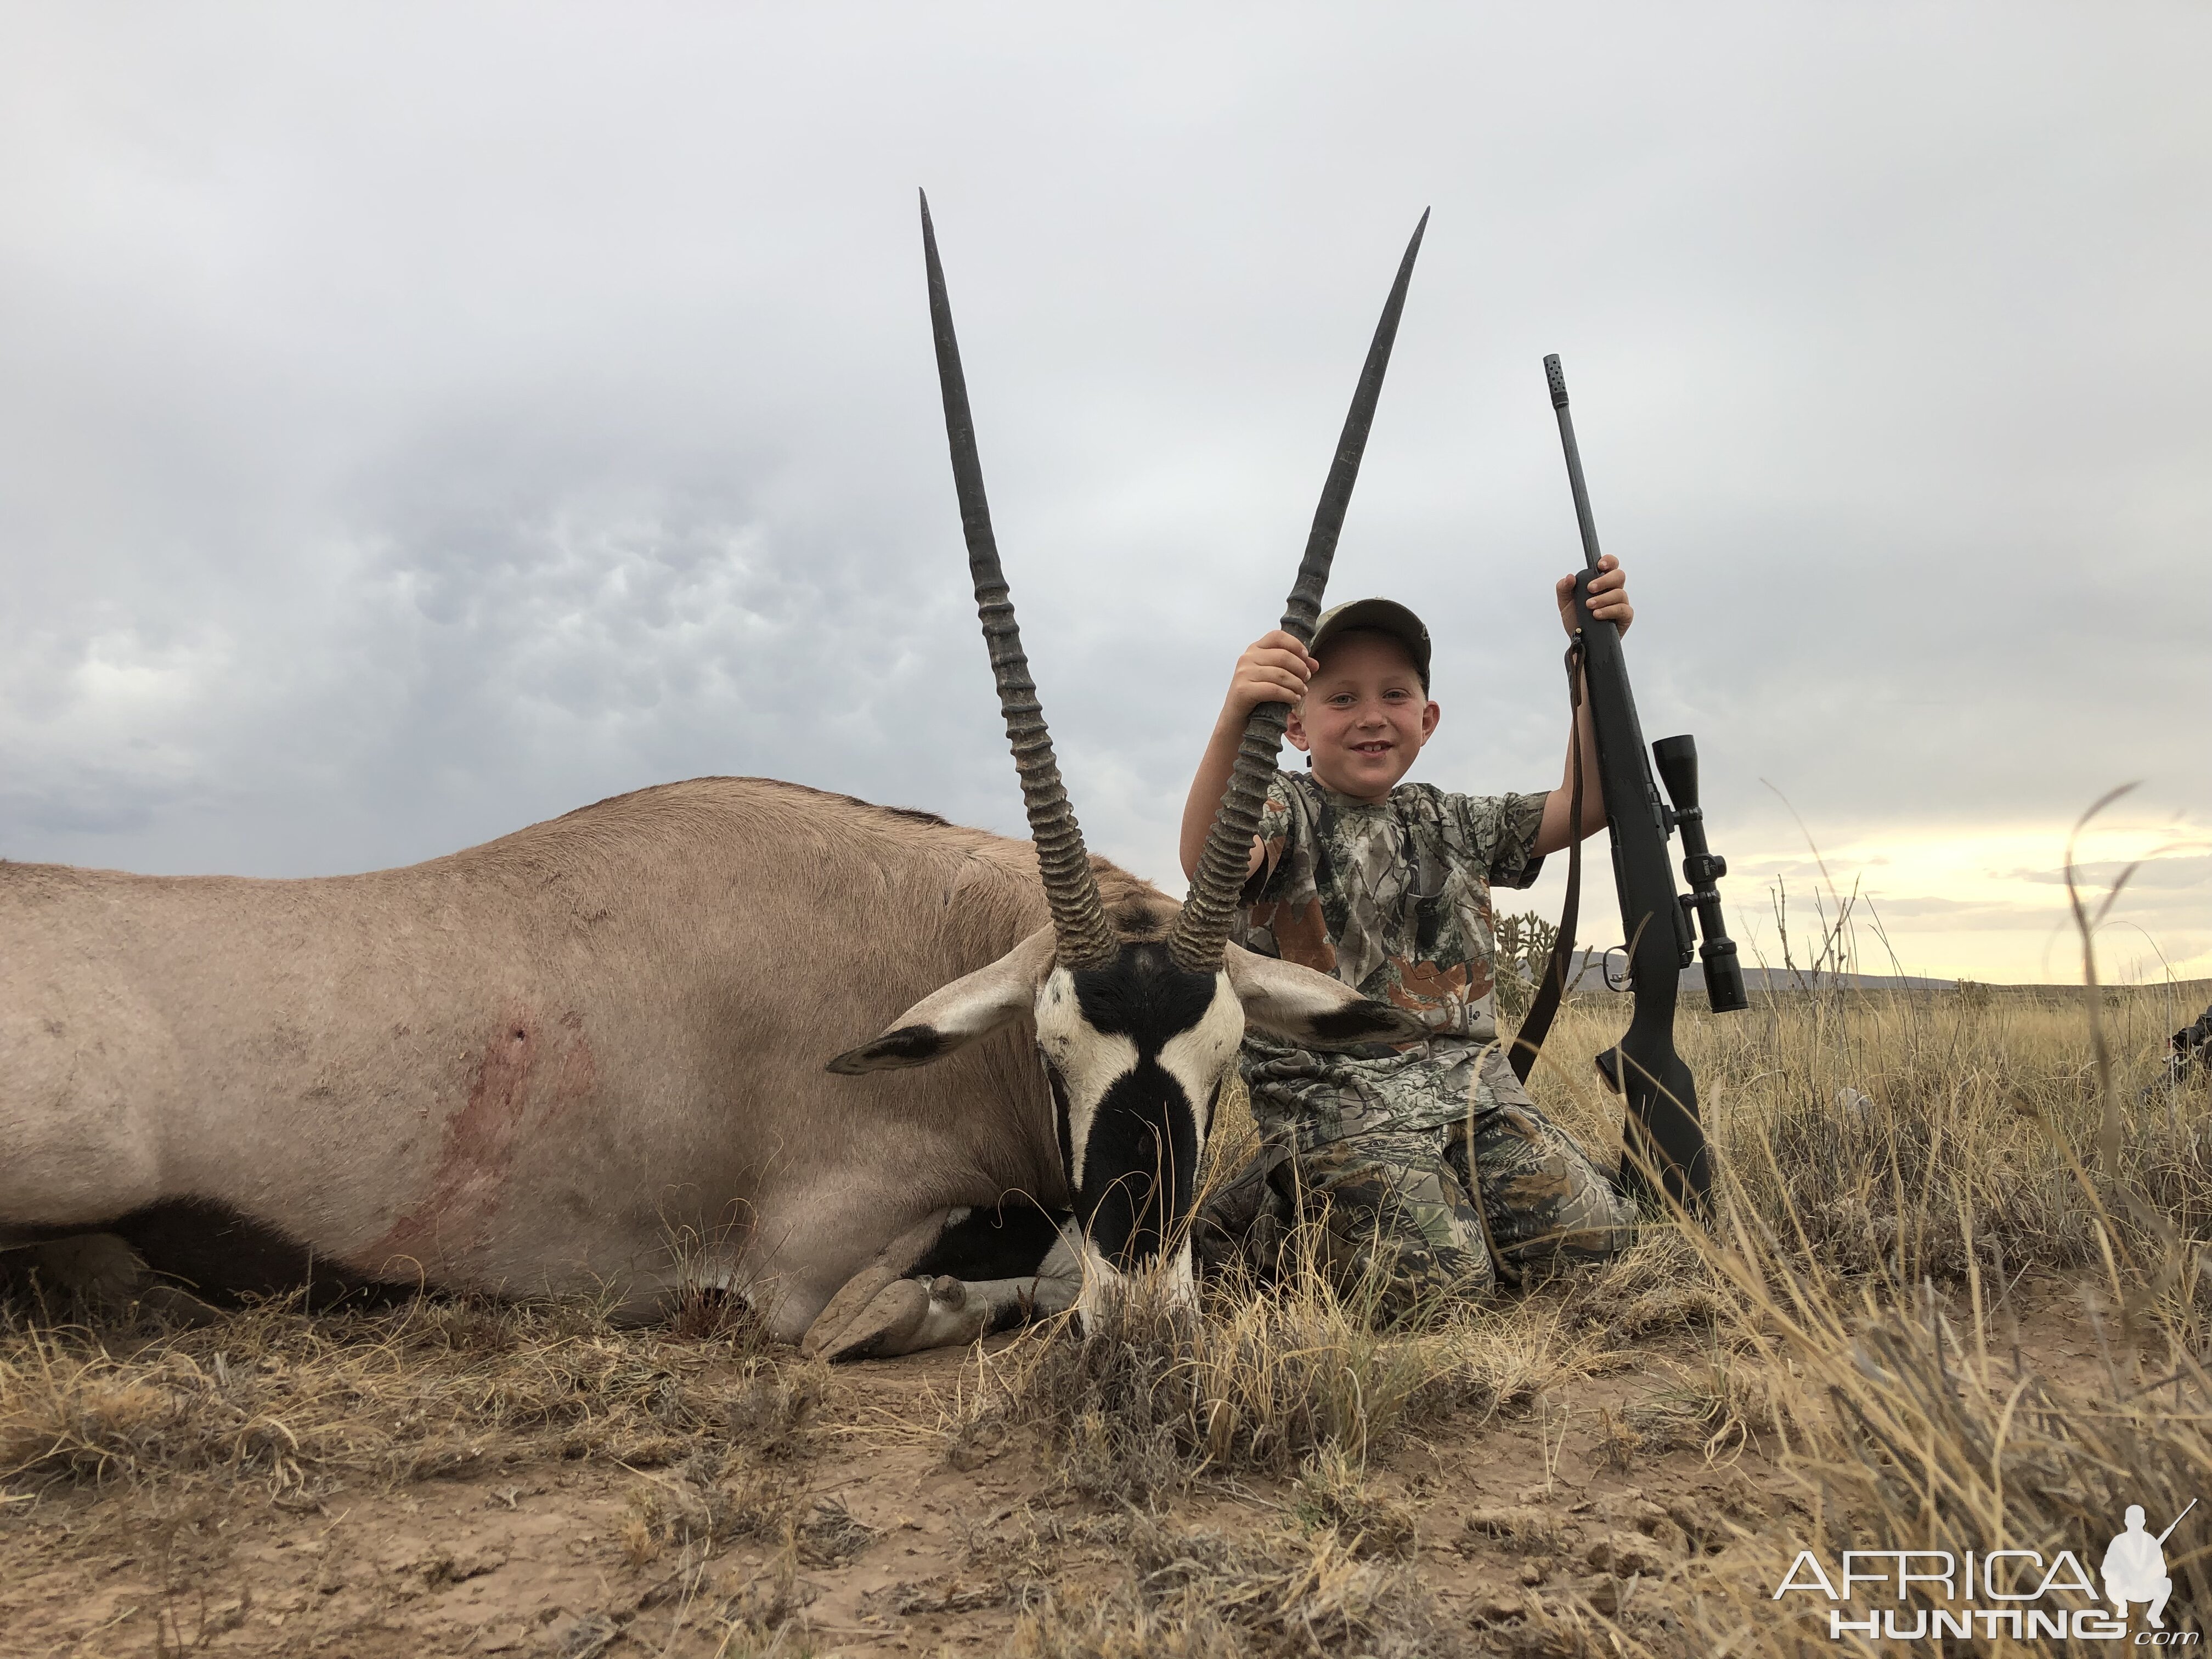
(99, 1267)
(914, 1315)
(104, 1270)
(987, 1271)
(890, 1266)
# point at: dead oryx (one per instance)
(525, 1068)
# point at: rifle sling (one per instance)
(1529, 1040)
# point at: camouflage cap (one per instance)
(1384, 617)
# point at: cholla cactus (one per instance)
(1524, 950)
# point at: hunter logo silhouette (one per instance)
(2135, 1567)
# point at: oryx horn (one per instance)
(1079, 919)
(1203, 927)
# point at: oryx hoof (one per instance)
(885, 1325)
(179, 1306)
(949, 1294)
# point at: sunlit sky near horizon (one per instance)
(418, 422)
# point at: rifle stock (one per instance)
(1662, 1134)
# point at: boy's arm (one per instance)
(1609, 602)
(1274, 668)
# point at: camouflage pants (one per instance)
(1410, 1215)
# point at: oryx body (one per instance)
(592, 1055)
(529, 1067)
(587, 1057)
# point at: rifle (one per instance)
(1662, 1131)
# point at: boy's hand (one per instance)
(1608, 596)
(1274, 668)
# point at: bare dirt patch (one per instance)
(354, 1487)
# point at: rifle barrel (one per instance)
(1558, 378)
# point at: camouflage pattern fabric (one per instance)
(1427, 1171)
(1411, 1217)
(1310, 1098)
(1393, 899)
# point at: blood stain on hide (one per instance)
(521, 1064)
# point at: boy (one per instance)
(1430, 1172)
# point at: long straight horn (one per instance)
(1203, 927)
(1079, 919)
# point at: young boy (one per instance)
(1430, 1172)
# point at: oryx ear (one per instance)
(1311, 1009)
(955, 1016)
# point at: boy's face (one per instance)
(1364, 717)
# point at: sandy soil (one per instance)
(892, 1546)
(873, 1528)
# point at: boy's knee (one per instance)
(1396, 1281)
(1563, 1213)
(1602, 1219)
(1543, 1193)
(1402, 1238)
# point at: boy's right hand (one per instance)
(1274, 668)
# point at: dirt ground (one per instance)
(876, 1527)
(872, 1528)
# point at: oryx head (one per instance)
(1137, 1017)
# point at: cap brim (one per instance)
(1382, 617)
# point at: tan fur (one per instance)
(527, 1067)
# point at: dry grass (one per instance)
(1866, 1125)
(1151, 1396)
(1897, 1173)
(295, 1402)
(1205, 1596)
(1904, 1429)
(1877, 1152)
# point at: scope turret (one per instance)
(1676, 759)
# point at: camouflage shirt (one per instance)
(1393, 899)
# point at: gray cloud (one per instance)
(408, 432)
(2097, 875)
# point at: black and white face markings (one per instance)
(1136, 1053)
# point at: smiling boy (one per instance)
(1429, 1170)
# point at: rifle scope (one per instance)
(1677, 760)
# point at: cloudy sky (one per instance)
(415, 421)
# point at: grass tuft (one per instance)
(1151, 1394)
(426, 1390)
(1206, 1596)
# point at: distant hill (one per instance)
(1781, 979)
(2193, 993)
(1590, 977)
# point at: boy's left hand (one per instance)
(1608, 596)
